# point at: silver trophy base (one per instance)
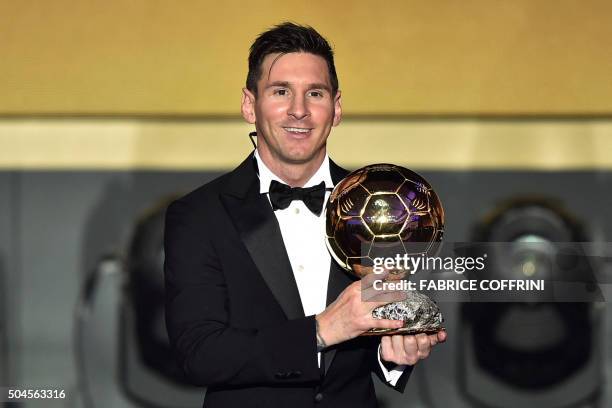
(418, 312)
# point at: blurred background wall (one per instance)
(106, 108)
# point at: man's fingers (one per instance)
(442, 336)
(371, 295)
(368, 280)
(398, 347)
(384, 323)
(386, 349)
(424, 346)
(368, 293)
(371, 305)
(411, 349)
(408, 349)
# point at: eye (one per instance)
(281, 92)
(316, 94)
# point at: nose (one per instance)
(298, 108)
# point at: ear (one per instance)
(248, 106)
(337, 108)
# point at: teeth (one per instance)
(298, 130)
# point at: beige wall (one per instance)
(188, 57)
(221, 144)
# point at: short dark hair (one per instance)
(285, 38)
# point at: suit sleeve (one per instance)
(209, 350)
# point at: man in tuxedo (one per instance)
(256, 310)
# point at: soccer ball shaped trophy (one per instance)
(384, 210)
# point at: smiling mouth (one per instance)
(297, 131)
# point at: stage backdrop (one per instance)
(394, 58)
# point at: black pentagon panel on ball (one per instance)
(382, 178)
(352, 203)
(385, 214)
(415, 196)
(436, 209)
(346, 185)
(353, 237)
(331, 222)
(418, 233)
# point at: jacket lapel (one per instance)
(337, 173)
(254, 219)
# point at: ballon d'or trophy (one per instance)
(386, 210)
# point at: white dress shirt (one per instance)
(303, 235)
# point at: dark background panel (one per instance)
(468, 196)
(6, 230)
(55, 226)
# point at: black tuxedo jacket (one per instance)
(233, 311)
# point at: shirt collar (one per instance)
(266, 175)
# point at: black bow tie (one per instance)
(281, 195)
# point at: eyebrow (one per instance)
(286, 84)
